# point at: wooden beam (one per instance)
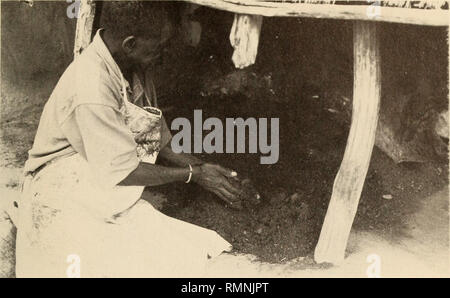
(85, 21)
(429, 17)
(352, 173)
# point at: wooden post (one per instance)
(352, 173)
(85, 21)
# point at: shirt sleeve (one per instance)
(106, 142)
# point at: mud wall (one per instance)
(35, 40)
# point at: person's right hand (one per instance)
(214, 178)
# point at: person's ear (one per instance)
(128, 44)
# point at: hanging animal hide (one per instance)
(244, 38)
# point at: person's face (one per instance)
(144, 51)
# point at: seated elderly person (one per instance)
(80, 213)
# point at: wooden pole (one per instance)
(352, 173)
(85, 21)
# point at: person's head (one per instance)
(135, 30)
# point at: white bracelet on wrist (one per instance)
(190, 174)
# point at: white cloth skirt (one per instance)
(69, 227)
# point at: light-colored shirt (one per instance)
(84, 115)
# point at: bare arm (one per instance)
(211, 177)
(179, 159)
(147, 174)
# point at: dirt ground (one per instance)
(403, 210)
